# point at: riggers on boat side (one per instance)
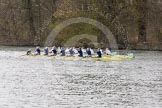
(104, 57)
(81, 53)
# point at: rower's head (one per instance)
(37, 47)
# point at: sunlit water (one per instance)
(43, 82)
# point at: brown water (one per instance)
(42, 82)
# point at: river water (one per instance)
(43, 82)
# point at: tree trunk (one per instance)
(142, 20)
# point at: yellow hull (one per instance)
(104, 58)
(115, 57)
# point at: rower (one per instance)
(92, 52)
(89, 52)
(54, 51)
(71, 52)
(67, 50)
(62, 52)
(99, 53)
(75, 50)
(108, 52)
(38, 51)
(84, 51)
(46, 51)
(59, 50)
(29, 52)
(80, 52)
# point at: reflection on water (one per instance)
(41, 82)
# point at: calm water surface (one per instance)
(43, 82)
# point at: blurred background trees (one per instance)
(135, 24)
